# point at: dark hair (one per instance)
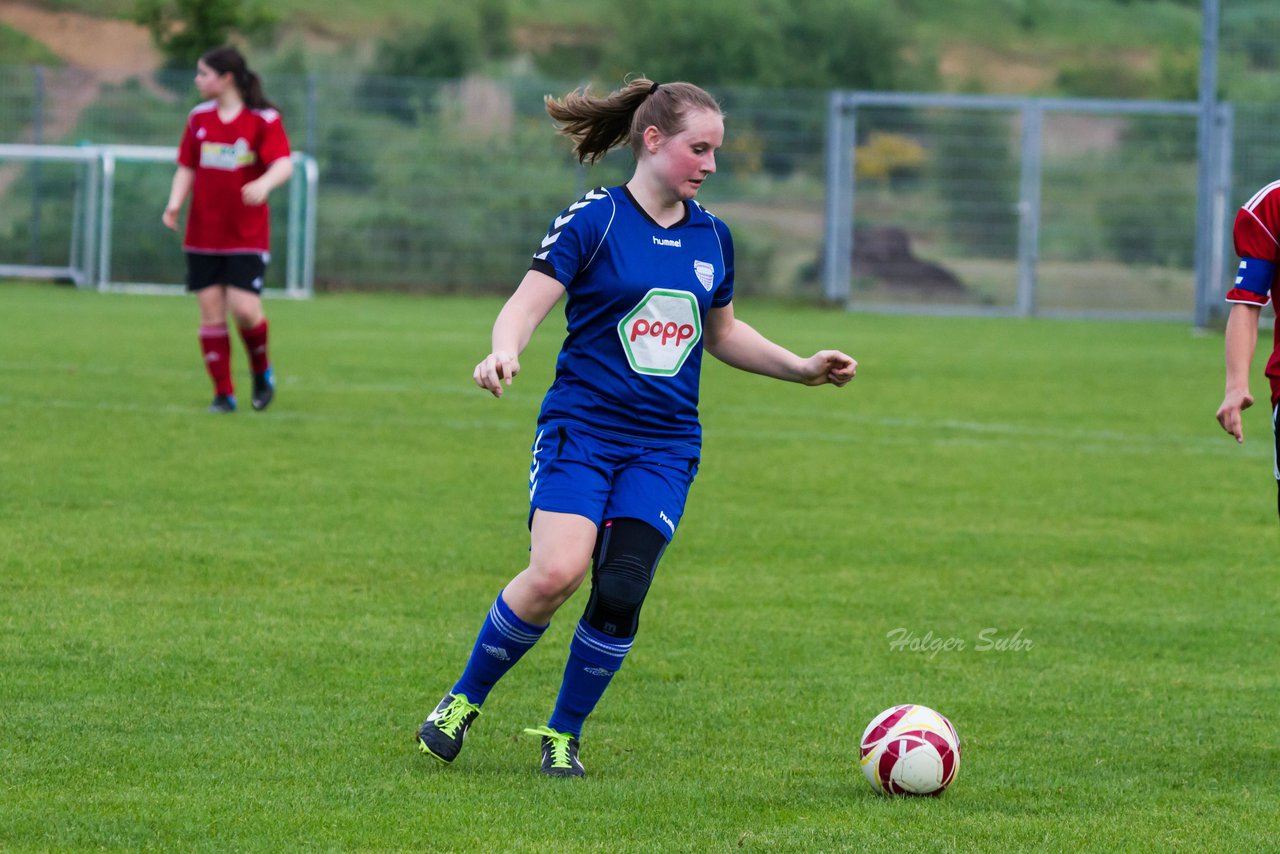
(228, 60)
(598, 124)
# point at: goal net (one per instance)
(91, 215)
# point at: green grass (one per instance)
(18, 48)
(1022, 28)
(219, 633)
(1025, 25)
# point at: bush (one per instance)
(778, 44)
(886, 156)
(454, 45)
(1104, 78)
(1128, 227)
(976, 175)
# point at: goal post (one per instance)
(81, 255)
(299, 238)
(97, 209)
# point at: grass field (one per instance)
(220, 633)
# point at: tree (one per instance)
(185, 29)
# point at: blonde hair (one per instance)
(598, 124)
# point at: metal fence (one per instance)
(425, 185)
(1005, 205)
(1013, 205)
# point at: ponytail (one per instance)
(251, 90)
(597, 125)
(228, 60)
(250, 86)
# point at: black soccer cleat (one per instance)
(223, 403)
(264, 388)
(441, 734)
(559, 753)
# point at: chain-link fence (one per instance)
(425, 185)
(1249, 78)
(448, 185)
(1003, 205)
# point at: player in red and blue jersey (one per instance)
(234, 152)
(649, 277)
(1257, 241)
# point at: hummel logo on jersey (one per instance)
(496, 651)
(597, 671)
(662, 241)
(667, 519)
(565, 218)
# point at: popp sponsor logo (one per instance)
(660, 332)
(669, 332)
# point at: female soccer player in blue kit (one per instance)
(649, 278)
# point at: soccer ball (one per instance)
(910, 750)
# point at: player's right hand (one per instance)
(1229, 412)
(496, 367)
(170, 218)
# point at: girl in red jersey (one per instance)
(234, 152)
(1257, 239)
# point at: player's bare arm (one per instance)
(739, 345)
(1241, 341)
(524, 311)
(256, 192)
(183, 178)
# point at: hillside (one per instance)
(1074, 47)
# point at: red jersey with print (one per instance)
(225, 157)
(1256, 231)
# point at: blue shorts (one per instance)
(605, 476)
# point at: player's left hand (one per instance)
(829, 366)
(254, 194)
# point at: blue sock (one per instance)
(503, 638)
(593, 659)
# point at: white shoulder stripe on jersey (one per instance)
(561, 221)
(724, 265)
(607, 226)
(1262, 224)
(1259, 196)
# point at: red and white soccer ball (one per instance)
(910, 750)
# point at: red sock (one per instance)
(215, 343)
(255, 342)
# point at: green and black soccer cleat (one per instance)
(441, 734)
(559, 753)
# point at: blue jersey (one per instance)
(639, 294)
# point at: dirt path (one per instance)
(113, 50)
(96, 51)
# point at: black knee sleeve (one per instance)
(627, 554)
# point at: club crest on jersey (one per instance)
(705, 273)
(660, 332)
